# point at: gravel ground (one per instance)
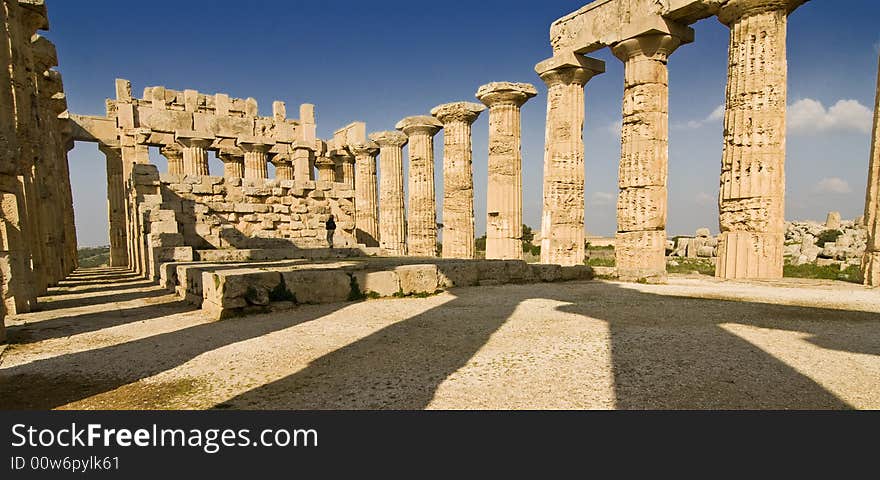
(108, 341)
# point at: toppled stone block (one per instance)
(383, 283)
(318, 286)
(417, 279)
(458, 274)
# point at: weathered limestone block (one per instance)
(870, 264)
(421, 230)
(366, 193)
(458, 177)
(326, 170)
(418, 279)
(832, 222)
(641, 205)
(504, 192)
(752, 200)
(383, 283)
(458, 274)
(650, 243)
(562, 223)
(392, 228)
(318, 286)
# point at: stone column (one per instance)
(392, 227)
(421, 224)
(303, 156)
(640, 249)
(116, 206)
(283, 166)
(174, 154)
(344, 162)
(195, 152)
(233, 164)
(504, 193)
(326, 169)
(366, 195)
(871, 260)
(562, 222)
(752, 198)
(458, 177)
(256, 156)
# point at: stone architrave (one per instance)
(752, 199)
(421, 225)
(640, 249)
(458, 177)
(562, 223)
(233, 164)
(195, 152)
(392, 226)
(366, 194)
(871, 261)
(256, 156)
(504, 192)
(174, 154)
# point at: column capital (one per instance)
(342, 155)
(324, 162)
(281, 159)
(110, 149)
(734, 10)
(506, 93)
(389, 138)
(652, 46)
(230, 155)
(365, 149)
(172, 150)
(255, 144)
(194, 139)
(569, 68)
(419, 125)
(464, 112)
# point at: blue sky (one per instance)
(381, 61)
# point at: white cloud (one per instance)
(716, 116)
(603, 198)
(832, 185)
(810, 116)
(705, 199)
(614, 128)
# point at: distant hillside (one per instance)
(90, 257)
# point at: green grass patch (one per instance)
(91, 257)
(702, 266)
(601, 262)
(828, 272)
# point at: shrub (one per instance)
(827, 236)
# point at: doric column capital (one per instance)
(172, 151)
(389, 138)
(464, 112)
(365, 149)
(569, 68)
(110, 150)
(230, 155)
(419, 125)
(324, 162)
(194, 139)
(659, 45)
(506, 93)
(281, 159)
(734, 10)
(255, 144)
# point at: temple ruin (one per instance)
(204, 234)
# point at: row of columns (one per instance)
(753, 167)
(413, 231)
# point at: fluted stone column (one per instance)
(640, 249)
(116, 206)
(174, 154)
(752, 199)
(392, 226)
(562, 223)
(283, 167)
(871, 260)
(233, 164)
(195, 153)
(366, 195)
(256, 156)
(458, 177)
(504, 193)
(421, 225)
(344, 162)
(326, 169)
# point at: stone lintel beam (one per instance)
(86, 128)
(606, 22)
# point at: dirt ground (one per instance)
(106, 340)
